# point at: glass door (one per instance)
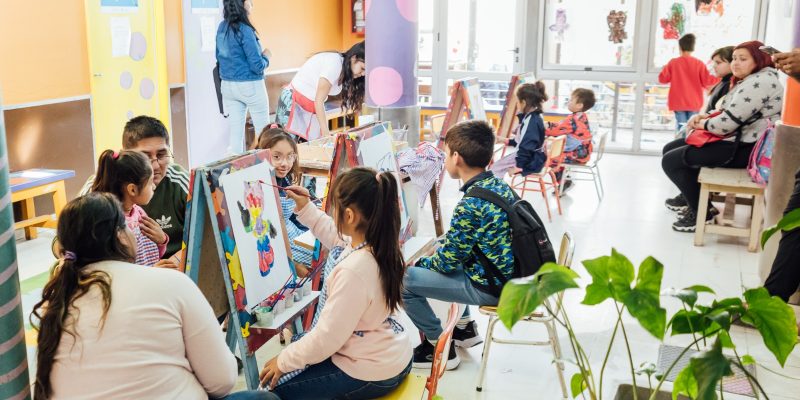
(469, 38)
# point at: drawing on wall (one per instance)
(258, 231)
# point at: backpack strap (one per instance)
(491, 269)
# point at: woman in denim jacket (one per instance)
(241, 68)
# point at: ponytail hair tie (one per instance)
(115, 155)
(70, 256)
(274, 126)
(378, 177)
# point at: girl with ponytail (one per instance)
(528, 155)
(357, 343)
(128, 175)
(108, 329)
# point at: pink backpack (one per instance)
(761, 157)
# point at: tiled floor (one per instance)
(632, 219)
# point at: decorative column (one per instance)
(14, 382)
(391, 52)
(785, 162)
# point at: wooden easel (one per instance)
(464, 99)
(207, 249)
(508, 117)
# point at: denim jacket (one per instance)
(239, 54)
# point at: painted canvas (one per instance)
(377, 152)
(257, 225)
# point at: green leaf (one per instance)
(689, 295)
(685, 384)
(722, 318)
(521, 296)
(611, 278)
(644, 300)
(708, 368)
(599, 290)
(774, 319)
(747, 359)
(725, 339)
(577, 384)
(789, 222)
(684, 322)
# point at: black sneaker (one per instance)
(677, 203)
(688, 221)
(566, 186)
(423, 356)
(712, 212)
(467, 337)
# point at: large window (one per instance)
(480, 35)
(596, 34)
(717, 24)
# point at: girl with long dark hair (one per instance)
(242, 62)
(109, 329)
(358, 349)
(301, 108)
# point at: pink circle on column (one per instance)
(407, 9)
(385, 86)
(367, 4)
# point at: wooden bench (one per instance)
(27, 185)
(734, 182)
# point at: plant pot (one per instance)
(625, 392)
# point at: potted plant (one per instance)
(639, 294)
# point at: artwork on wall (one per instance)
(674, 23)
(561, 25)
(258, 231)
(358, 17)
(616, 26)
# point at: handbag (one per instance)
(702, 137)
(218, 88)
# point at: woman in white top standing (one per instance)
(109, 329)
(301, 108)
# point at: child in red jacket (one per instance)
(688, 77)
(578, 148)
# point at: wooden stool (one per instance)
(732, 182)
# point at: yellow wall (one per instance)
(44, 52)
(294, 30)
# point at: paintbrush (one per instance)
(286, 190)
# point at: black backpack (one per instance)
(529, 241)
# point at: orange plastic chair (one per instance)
(415, 385)
(554, 147)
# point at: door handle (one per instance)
(97, 75)
(515, 50)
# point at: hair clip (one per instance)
(115, 155)
(69, 256)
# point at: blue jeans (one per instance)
(326, 381)
(682, 117)
(238, 98)
(251, 395)
(420, 284)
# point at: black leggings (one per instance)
(784, 278)
(682, 163)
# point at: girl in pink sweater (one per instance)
(357, 350)
(128, 175)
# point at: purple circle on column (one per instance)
(126, 80)
(147, 88)
(385, 86)
(129, 115)
(408, 9)
(138, 46)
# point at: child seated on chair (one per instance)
(578, 148)
(528, 155)
(453, 272)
